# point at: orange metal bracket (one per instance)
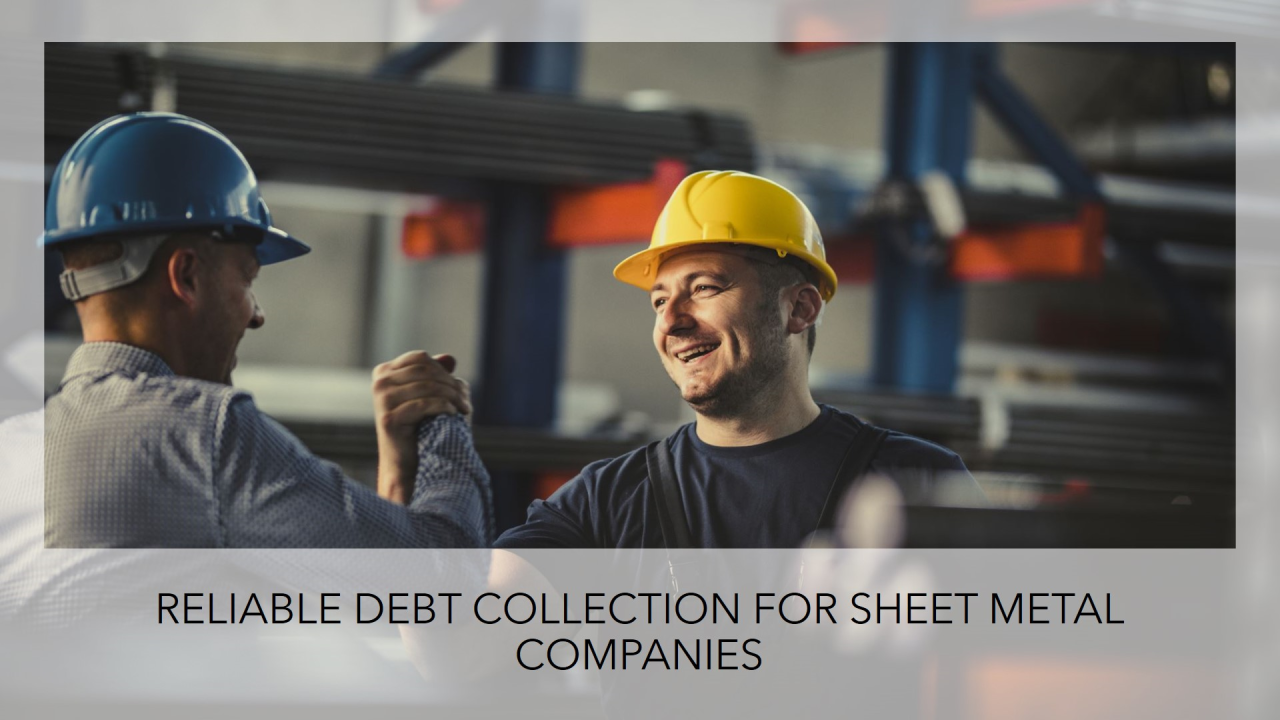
(451, 227)
(583, 216)
(1050, 250)
(613, 213)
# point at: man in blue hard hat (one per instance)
(162, 231)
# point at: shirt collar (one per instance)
(96, 357)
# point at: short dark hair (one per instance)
(775, 276)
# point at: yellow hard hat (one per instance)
(731, 207)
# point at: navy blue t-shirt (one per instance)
(760, 496)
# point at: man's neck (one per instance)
(140, 332)
(768, 420)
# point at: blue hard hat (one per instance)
(151, 172)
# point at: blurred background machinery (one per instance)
(1035, 245)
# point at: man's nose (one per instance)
(258, 319)
(673, 318)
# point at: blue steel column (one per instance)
(918, 307)
(523, 333)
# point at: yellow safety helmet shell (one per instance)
(731, 207)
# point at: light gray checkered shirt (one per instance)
(136, 456)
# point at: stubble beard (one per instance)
(742, 393)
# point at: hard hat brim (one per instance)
(275, 246)
(641, 269)
(278, 246)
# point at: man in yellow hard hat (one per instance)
(737, 277)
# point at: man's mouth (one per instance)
(688, 355)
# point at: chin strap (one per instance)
(132, 263)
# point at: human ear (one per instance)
(806, 304)
(184, 281)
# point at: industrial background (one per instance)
(1036, 247)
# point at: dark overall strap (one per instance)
(862, 450)
(662, 479)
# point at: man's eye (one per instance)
(710, 288)
(657, 304)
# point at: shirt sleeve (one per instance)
(560, 521)
(927, 473)
(273, 492)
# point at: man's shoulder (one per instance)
(629, 471)
(605, 487)
(587, 511)
(611, 476)
(901, 449)
(136, 403)
(925, 471)
(130, 387)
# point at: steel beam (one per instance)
(432, 138)
(523, 335)
(918, 308)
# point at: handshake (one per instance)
(406, 391)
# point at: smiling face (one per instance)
(228, 309)
(721, 337)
